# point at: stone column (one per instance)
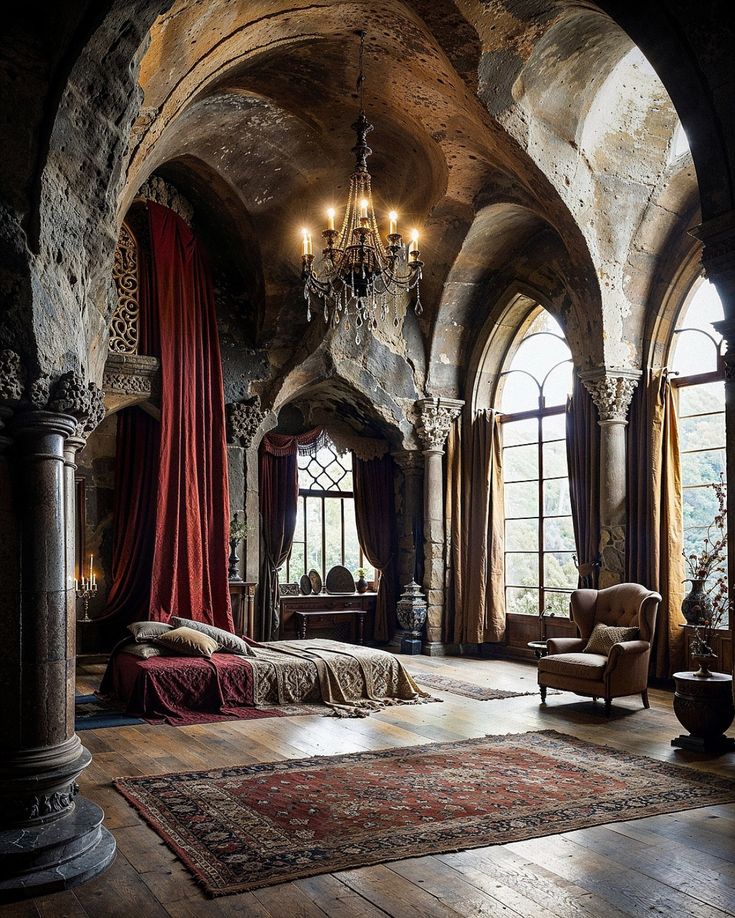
(435, 416)
(718, 261)
(243, 424)
(612, 391)
(50, 838)
(410, 566)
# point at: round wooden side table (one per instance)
(539, 648)
(705, 708)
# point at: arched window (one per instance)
(326, 531)
(539, 537)
(696, 360)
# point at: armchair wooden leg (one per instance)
(608, 706)
(644, 697)
(543, 694)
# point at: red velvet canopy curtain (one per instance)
(189, 574)
(373, 482)
(136, 490)
(279, 494)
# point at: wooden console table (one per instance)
(326, 619)
(345, 617)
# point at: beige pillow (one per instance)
(228, 642)
(604, 636)
(188, 642)
(148, 631)
(144, 651)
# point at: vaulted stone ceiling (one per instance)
(482, 111)
(528, 139)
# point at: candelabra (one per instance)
(85, 589)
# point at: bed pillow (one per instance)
(604, 636)
(144, 651)
(228, 642)
(188, 642)
(147, 631)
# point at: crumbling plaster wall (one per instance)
(569, 86)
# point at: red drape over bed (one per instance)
(189, 576)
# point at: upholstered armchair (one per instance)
(623, 668)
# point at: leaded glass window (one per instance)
(698, 373)
(540, 572)
(326, 531)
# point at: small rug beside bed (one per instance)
(94, 713)
(251, 826)
(466, 689)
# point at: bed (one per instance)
(346, 679)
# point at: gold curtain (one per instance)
(583, 462)
(655, 538)
(474, 519)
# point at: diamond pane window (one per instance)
(326, 530)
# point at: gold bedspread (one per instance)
(351, 680)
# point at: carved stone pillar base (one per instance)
(55, 855)
(435, 649)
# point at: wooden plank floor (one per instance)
(677, 865)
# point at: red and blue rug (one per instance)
(251, 826)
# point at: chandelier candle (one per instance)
(359, 277)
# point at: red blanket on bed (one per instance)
(182, 690)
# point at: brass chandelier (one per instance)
(359, 277)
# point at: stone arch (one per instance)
(497, 340)
(501, 233)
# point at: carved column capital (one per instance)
(611, 391)
(81, 400)
(12, 377)
(12, 386)
(243, 421)
(435, 416)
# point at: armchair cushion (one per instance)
(565, 645)
(575, 665)
(603, 637)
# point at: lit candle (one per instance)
(76, 584)
(91, 559)
(330, 219)
(364, 209)
(307, 242)
(393, 223)
(414, 245)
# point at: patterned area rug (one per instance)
(467, 689)
(257, 825)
